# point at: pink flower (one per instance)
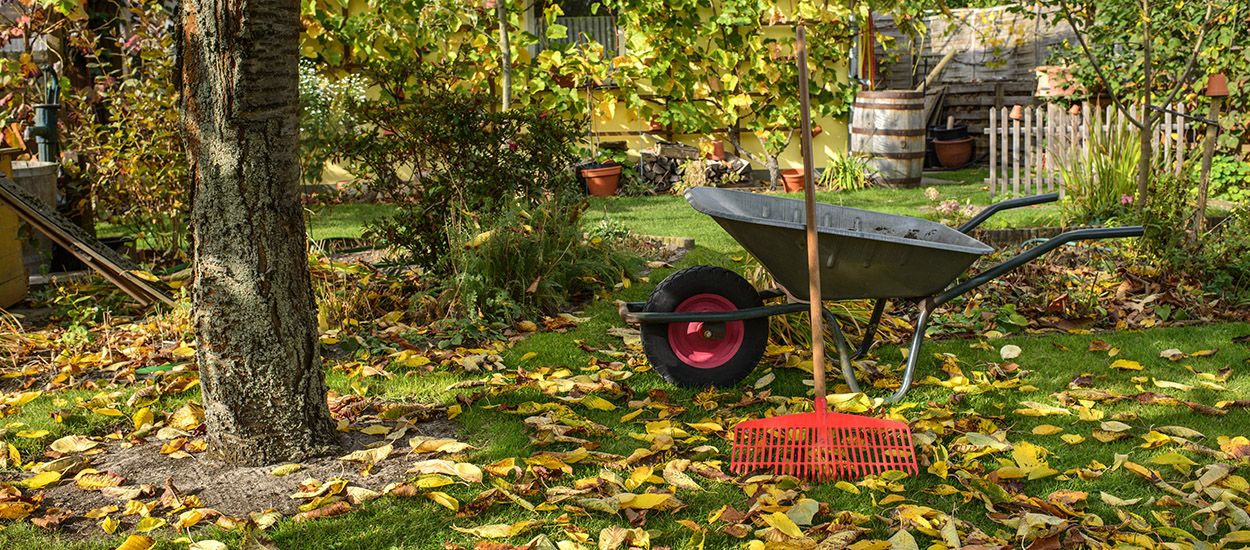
(512, 145)
(542, 116)
(1126, 200)
(931, 193)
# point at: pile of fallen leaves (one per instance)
(641, 462)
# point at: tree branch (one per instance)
(1080, 37)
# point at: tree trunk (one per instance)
(260, 369)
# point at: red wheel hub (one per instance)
(705, 345)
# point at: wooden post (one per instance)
(1028, 151)
(993, 131)
(1208, 150)
(1006, 151)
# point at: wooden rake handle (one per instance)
(813, 242)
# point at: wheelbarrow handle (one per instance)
(1006, 205)
(1031, 254)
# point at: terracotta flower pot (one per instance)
(602, 182)
(718, 150)
(792, 179)
(953, 153)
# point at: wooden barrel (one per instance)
(888, 129)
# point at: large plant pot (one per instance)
(792, 180)
(602, 182)
(953, 153)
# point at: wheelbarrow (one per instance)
(707, 326)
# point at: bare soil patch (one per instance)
(230, 490)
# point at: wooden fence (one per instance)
(1025, 152)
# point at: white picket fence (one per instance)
(1024, 150)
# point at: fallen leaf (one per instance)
(286, 469)
(73, 444)
(1125, 364)
(369, 456)
(137, 542)
(443, 499)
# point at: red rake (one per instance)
(820, 445)
(823, 445)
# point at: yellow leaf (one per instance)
(137, 542)
(493, 531)
(1181, 462)
(16, 510)
(369, 456)
(765, 380)
(422, 444)
(1125, 364)
(42, 480)
(847, 486)
(107, 411)
(453, 411)
(286, 469)
(431, 481)
(208, 544)
(150, 524)
(679, 479)
(598, 403)
(109, 525)
(1171, 385)
(98, 513)
(376, 429)
(144, 275)
(1046, 429)
(1155, 439)
(647, 501)
(501, 468)
(95, 482)
(33, 434)
(529, 355)
(144, 418)
(184, 352)
(444, 499)
(187, 418)
(189, 519)
(73, 444)
(781, 522)
(1072, 439)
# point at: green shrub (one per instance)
(524, 261)
(1221, 257)
(847, 172)
(440, 153)
(1230, 178)
(1101, 179)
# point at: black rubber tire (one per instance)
(677, 288)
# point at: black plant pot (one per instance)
(958, 132)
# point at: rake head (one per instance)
(823, 446)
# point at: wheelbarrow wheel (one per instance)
(704, 354)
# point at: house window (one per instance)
(583, 25)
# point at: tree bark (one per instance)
(260, 369)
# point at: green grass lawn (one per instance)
(964, 386)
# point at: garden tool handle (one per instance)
(813, 243)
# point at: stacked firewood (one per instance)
(665, 165)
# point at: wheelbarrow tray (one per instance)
(863, 254)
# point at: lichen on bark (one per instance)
(255, 321)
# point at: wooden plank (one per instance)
(968, 100)
(999, 90)
(993, 181)
(1028, 151)
(1002, 116)
(1015, 157)
(111, 265)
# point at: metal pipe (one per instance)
(1005, 205)
(1029, 255)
